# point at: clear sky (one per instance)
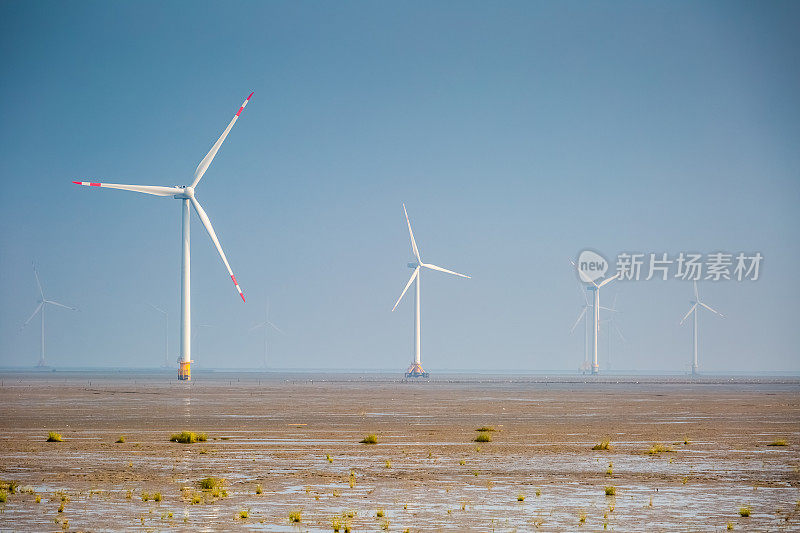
(517, 133)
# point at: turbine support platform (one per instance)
(595, 368)
(185, 371)
(416, 371)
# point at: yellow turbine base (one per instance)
(185, 371)
(416, 371)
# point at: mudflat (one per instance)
(683, 454)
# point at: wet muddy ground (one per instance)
(297, 437)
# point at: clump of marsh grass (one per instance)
(388, 463)
(244, 513)
(744, 511)
(296, 516)
(209, 483)
(582, 518)
(38, 498)
(145, 496)
(484, 436)
(329, 458)
(485, 428)
(779, 442)
(603, 445)
(121, 439)
(520, 497)
(54, 437)
(188, 437)
(611, 491)
(157, 496)
(730, 526)
(196, 498)
(659, 448)
(380, 513)
(462, 462)
(3, 496)
(538, 492)
(370, 439)
(610, 470)
(259, 490)
(352, 479)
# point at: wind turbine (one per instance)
(166, 334)
(694, 310)
(415, 370)
(266, 325)
(587, 308)
(186, 195)
(595, 288)
(583, 315)
(611, 324)
(43, 303)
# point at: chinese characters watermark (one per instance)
(689, 266)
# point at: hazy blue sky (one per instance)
(516, 133)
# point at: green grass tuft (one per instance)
(157, 496)
(210, 483)
(779, 442)
(54, 437)
(188, 437)
(370, 439)
(659, 448)
(611, 491)
(744, 511)
(296, 516)
(244, 513)
(259, 490)
(520, 497)
(604, 445)
(121, 439)
(485, 428)
(484, 436)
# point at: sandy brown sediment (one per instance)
(276, 430)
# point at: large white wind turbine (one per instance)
(415, 370)
(266, 325)
(186, 195)
(43, 303)
(595, 288)
(694, 310)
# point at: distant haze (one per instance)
(517, 134)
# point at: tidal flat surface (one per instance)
(297, 437)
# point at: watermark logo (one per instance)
(688, 266)
(591, 266)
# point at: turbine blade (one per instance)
(696, 296)
(276, 328)
(206, 162)
(580, 316)
(712, 310)
(411, 233)
(580, 274)
(155, 190)
(440, 269)
(261, 325)
(61, 305)
(410, 280)
(157, 308)
(607, 280)
(688, 313)
(38, 307)
(609, 309)
(38, 283)
(210, 229)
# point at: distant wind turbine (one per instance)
(595, 288)
(586, 308)
(186, 195)
(43, 303)
(693, 309)
(266, 325)
(415, 370)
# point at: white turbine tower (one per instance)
(266, 325)
(595, 288)
(694, 310)
(43, 303)
(415, 370)
(186, 195)
(587, 308)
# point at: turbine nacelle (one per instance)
(187, 193)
